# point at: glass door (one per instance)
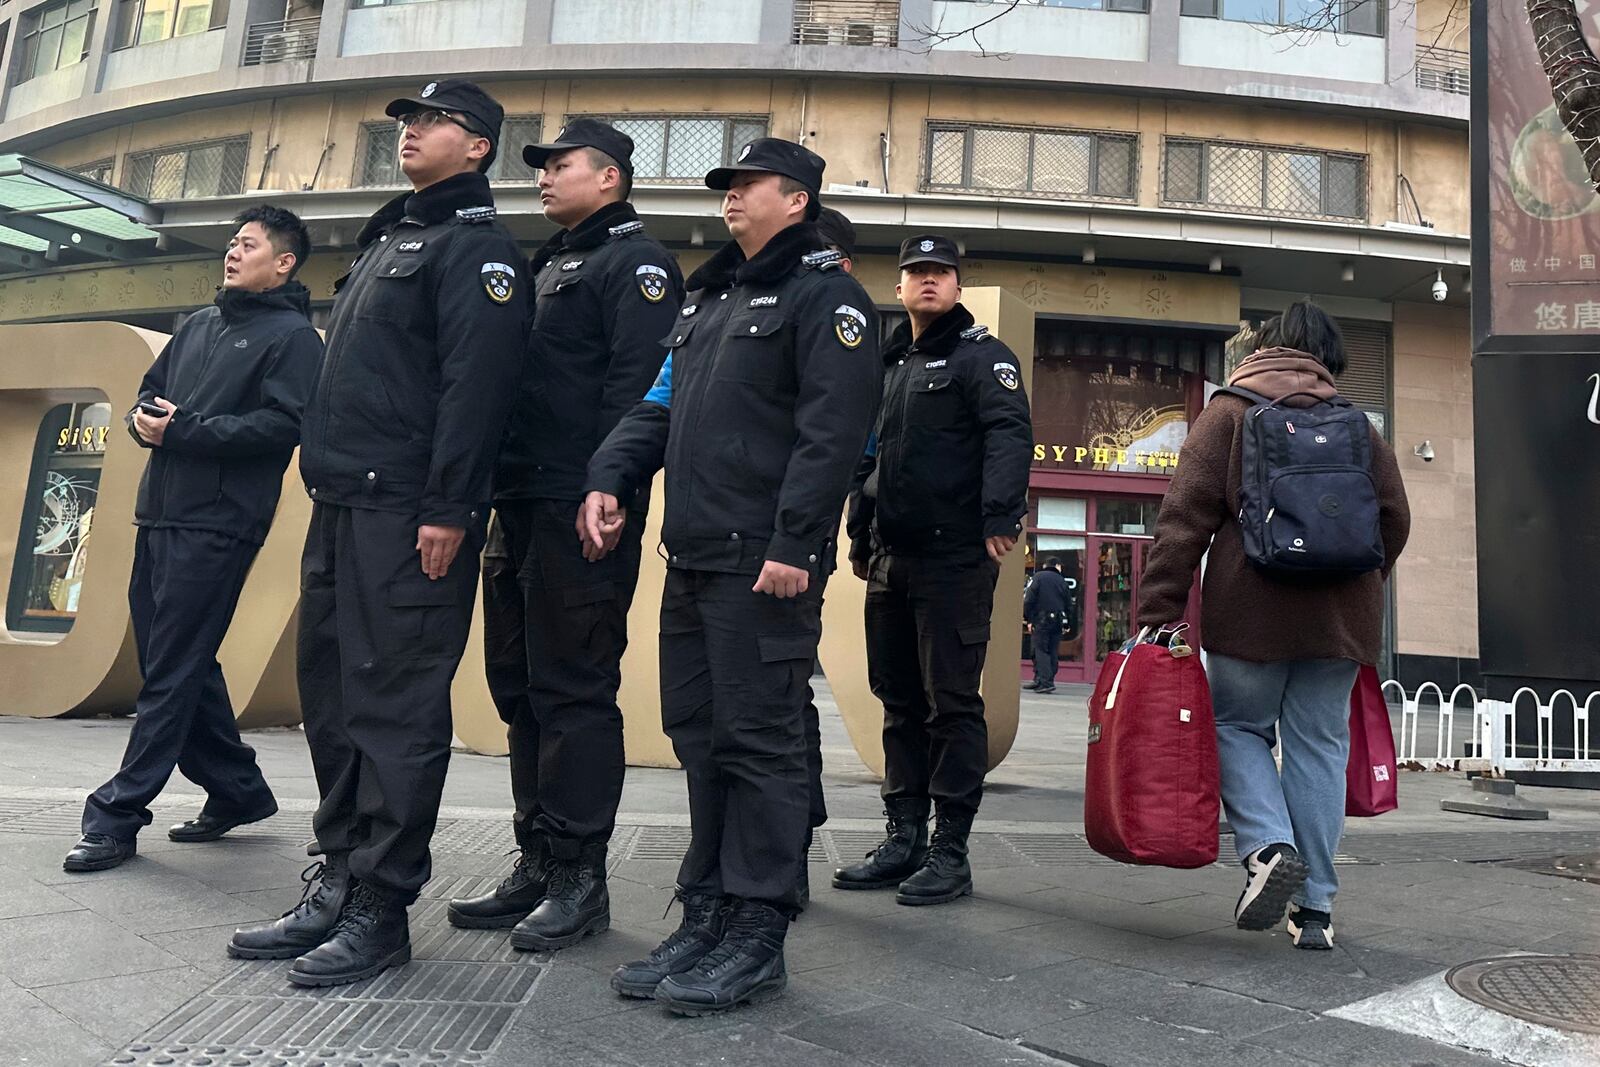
(1113, 601)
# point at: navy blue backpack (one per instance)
(1307, 503)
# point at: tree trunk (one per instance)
(1574, 75)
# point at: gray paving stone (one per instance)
(909, 1036)
(39, 950)
(32, 1033)
(1131, 916)
(233, 866)
(1132, 1038)
(1316, 981)
(1343, 1043)
(204, 947)
(161, 900)
(1197, 956)
(21, 895)
(119, 1009)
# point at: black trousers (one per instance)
(927, 638)
(379, 643)
(1046, 651)
(182, 595)
(555, 629)
(735, 672)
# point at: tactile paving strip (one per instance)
(1562, 992)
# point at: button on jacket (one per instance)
(954, 441)
(761, 413)
(424, 352)
(240, 373)
(606, 295)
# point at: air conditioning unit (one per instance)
(275, 46)
(866, 33)
(815, 33)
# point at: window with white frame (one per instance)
(147, 21)
(673, 148)
(1365, 17)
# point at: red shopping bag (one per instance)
(1370, 777)
(1151, 789)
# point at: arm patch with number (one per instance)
(652, 282)
(499, 281)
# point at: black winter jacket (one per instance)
(240, 373)
(1048, 598)
(760, 414)
(424, 352)
(953, 444)
(606, 294)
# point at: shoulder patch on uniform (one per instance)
(849, 325)
(824, 259)
(652, 282)
(499, 281)
(1007, 375)
(625, 228)
(976, 333)
(481, 213)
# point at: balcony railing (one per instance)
(1444, 70)
(871, 23)
(281, 40)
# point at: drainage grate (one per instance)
(660, 843)
(1583, 867)
(1562, 992)
(55, 819)
(474, 835)
(1472, 847)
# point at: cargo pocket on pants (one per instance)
(786, 661)
(422, 619)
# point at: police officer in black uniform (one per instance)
(759, 418)
(1047, 607)
(424, 354)
(556, 624)
(939, 505)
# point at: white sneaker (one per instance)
(1273, 874)
(1310, 929)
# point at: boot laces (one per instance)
(311, 888)
(564, 878)
(699, 910)
(360, 913)
(521, 871)
(744, 926)
(896, 827)
(944, 848)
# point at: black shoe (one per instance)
(945, 874)
(745, 967)
(1273, 874)
(901, 852)
(576, 904)
(1310, 929)
(703, 919)
(306, 925)
(210, 827)
(513, 899)
(371, 936)
(98, 852)
(1032, 685)
(1044, 689)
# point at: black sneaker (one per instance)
(1273, 874)
(1310, 929)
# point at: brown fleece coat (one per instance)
(1244, 612)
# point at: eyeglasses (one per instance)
(427, 120)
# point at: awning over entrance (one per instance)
(50, 216)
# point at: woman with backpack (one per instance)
(1303, 524)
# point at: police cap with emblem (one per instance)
(837, 230)
(773, 155)
(483, 112)
(585, 133)
(930, 248)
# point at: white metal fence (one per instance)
(1555, 736)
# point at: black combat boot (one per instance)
(576, 903)
(745, 967)
(371, 936)
(307, 924)
(515, 897)
(945, 874)
(704, 917)
(901, 853)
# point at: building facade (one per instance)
(1149, 176)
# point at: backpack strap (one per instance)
(1242, 393)
(1256, 398)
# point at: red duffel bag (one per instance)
(1370, 786)
(1151, 794)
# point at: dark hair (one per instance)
(1305, 327)
(1053, 563)
(789, 186)
(837, 230)
(602, 160)
(284, 229)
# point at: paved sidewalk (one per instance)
(1061, 957)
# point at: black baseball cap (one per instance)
(483, 110)
(776, 156)
(930, 248)
(837, 230)
(585, 133)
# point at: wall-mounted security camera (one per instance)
(1440, 289)
(1424, 451)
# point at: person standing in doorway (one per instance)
(1045, 608)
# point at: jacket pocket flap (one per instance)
(595, 593)
(421, 592)
(928, 383)
(679, 334)
(402, 267)
(762, 327)
(974, 635)
(776, 648)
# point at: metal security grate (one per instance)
(516, 132)
(1076, 164)
(1444, 70)
(867, 23)
(1265, 180)
(1368, 365)
(681, 148)
(204, 168)
(98, 171)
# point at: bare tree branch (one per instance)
(1574, 75)
(930, 37)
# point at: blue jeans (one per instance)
(1309, 701)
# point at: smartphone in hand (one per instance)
(155, 411)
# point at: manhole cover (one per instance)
(1556, 991)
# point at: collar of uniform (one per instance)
(443, 199)
(778, 258)
(939, 339)
(592, 231)
(237, 304)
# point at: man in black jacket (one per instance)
(1045, 608)
(231, 385)
(555, 624)
(939, 504)
(424, 353)
(759, 418)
